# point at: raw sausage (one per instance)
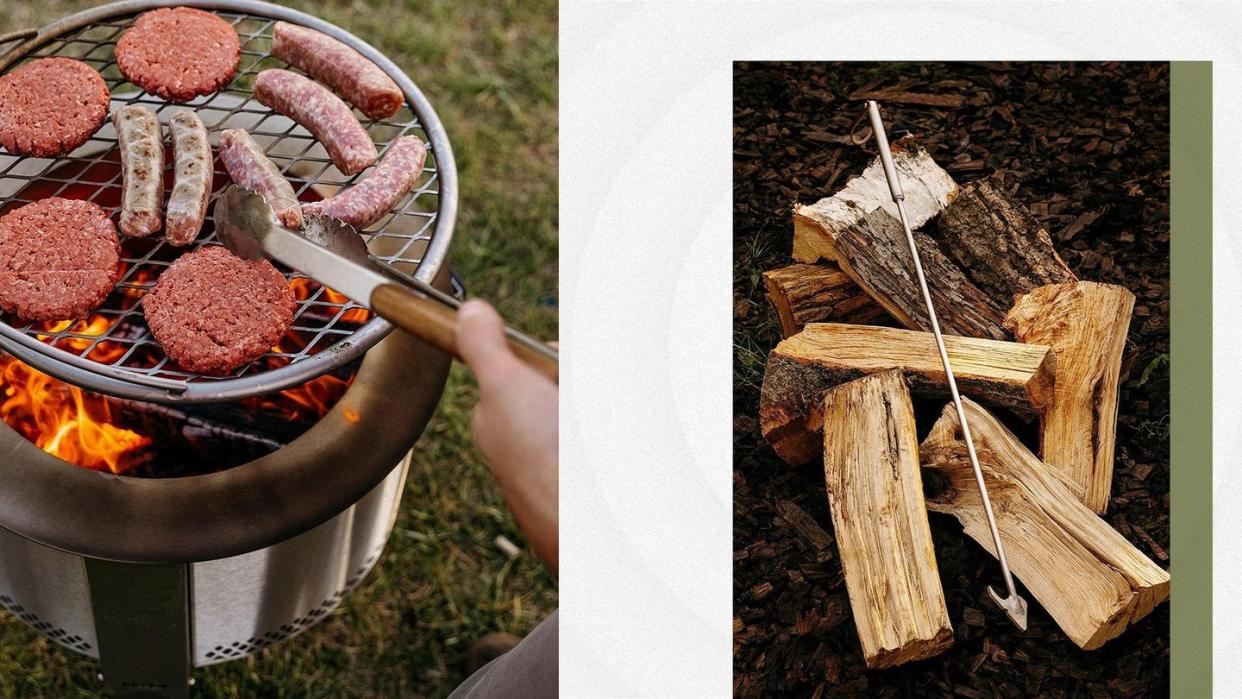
(322, 113)
(187, 205)
(366, 202)
(141, 139)
(341, 68)
(250, 168)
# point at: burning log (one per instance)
(875, 492)
(858, 227)
(802, 367)
(1091, 580)
(1000, 246)
(803, 293)
(1085, 323)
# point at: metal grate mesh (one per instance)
(116, 334)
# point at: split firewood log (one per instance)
(928, 189)
(1091, 580)
(803, 293)
(998, 243)
(802, 367)
(1085, 323)
(859, 229)
(875, 492)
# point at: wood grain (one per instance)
(875, 492)
(802, 367)
(1090, 579)
(803, 293)
(1085, 323)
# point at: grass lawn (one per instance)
(491, 72)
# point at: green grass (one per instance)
(491, 73)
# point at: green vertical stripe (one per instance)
(1191, 378)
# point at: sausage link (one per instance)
(141, 139)
(250, 168)
(322, 113)
(366, 202)
(347, 72)
(187, 205)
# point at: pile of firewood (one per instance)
(1027, 340)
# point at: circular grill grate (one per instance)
(115, 353)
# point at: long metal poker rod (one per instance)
(1013, 605)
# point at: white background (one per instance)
(646, 174)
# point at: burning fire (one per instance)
(311, 400)
(80, 427)
(63, 420)
(303, 288)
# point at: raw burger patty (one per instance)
(213, 311)
(50, 106)
(179, 53)
(58, 259)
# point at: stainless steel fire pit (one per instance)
(156, 576)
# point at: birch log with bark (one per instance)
(803, 293)
(928, 189)
(1091, 580)
(1085, 323)
(875, 492)
(999, 244)
(859, 229)
(802, 367)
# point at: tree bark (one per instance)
(803, 294)
(873, 251)
(1000, 246)
(875, 492)
(802, 367)
(859, 229)
(1091, 580)
(1085, 323)
(928, 189)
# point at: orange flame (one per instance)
(310, 401)
(303, 288)
(61, 419)
(79, 427)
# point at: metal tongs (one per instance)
(1013, 605)
(335, 254)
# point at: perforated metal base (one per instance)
(238, 605)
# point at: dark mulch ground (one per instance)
(1086, 145)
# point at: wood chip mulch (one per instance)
(1086, 147)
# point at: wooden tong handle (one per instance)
(436, 323)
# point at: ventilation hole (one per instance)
(58, 635)
(298, 624)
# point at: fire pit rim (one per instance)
(218, 515)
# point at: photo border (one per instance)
(1190, 199)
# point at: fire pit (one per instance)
(159, 520)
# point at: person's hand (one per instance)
(515, 425)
